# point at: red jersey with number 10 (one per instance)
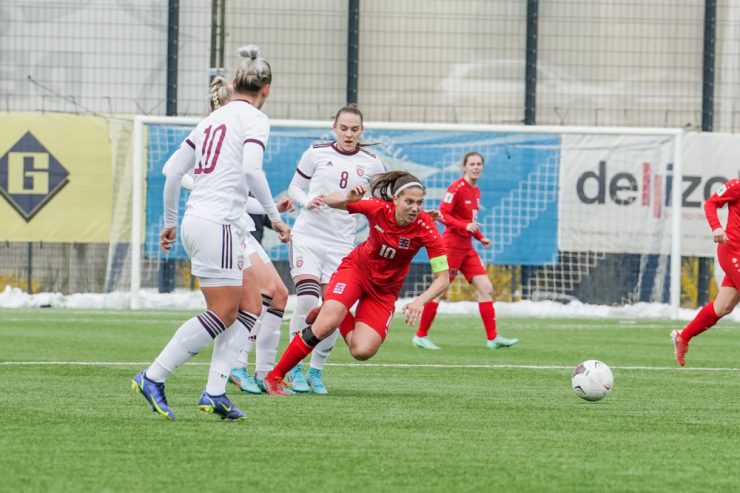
(729, 194)
(385, 257)
(459, 207)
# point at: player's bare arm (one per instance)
(339, 200)
(436, 288)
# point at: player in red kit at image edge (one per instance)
(728, 254)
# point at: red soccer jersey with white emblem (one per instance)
(459, 207)
(729, 194)
(385, 257)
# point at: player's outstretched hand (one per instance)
(436, 215)
(719, 235)
(356, 193)
(285, 204)
(315, 202)
(282, 230)
(167, 238)
(413, 312)
(486, 242)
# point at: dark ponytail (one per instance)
(384, 185)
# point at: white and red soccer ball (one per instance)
(592, 380)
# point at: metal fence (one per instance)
(602, 62)
(672, 63)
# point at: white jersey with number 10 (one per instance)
(219, 188)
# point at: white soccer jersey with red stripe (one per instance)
(330, 170)
(219, 188)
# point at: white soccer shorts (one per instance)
(251, 245)
(215, 250)
(315, 259)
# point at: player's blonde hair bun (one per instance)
(251, 52)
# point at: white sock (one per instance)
(243, 358)
(267, 341)
(226, 349)
(308, 294)
(322, 351)
(189, 340)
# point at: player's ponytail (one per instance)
(387, 185)
(254, 72)
(221, 92)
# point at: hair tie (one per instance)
(407, 185)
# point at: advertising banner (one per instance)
(519, 185)
(55, 178)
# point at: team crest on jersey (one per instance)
(240, 264)
(448, 198)
(360, 172)
(339, 288)
(404, 243)
(299, 262)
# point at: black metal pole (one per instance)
(173, 14)
(353, 50)
(530, 99)
(30, 268)
(167, 265)
(530, 71)
(707, 122)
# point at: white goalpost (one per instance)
(590, 211)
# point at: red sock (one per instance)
(488, 315)
(347, 325)
(294, 354)
(427, 317)
(702, 321)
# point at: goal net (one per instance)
(574, 213)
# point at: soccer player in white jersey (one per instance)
(265, 333)
(322, 236)
(229, 146)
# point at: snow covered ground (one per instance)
(193, 300)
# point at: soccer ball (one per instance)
(592, 380)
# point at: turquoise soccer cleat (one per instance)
(315, 382)
(220, 405)
(424, 343)
(153, 392)
(501, 341)
(246, 382)
(296, 380)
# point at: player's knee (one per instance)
(280, 296)
(362, 353)
(722, 309)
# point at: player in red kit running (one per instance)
(459, 209)
(373, 273)
(728, 252)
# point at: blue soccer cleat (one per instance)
(246, 382)
(221, 405)
(315, 382)
(296, 380)
(153, 392)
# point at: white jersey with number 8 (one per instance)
(330, 170)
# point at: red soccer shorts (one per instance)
(730, 262)
(348, 285)
(465, 261)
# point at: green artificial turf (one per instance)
(465, 418)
